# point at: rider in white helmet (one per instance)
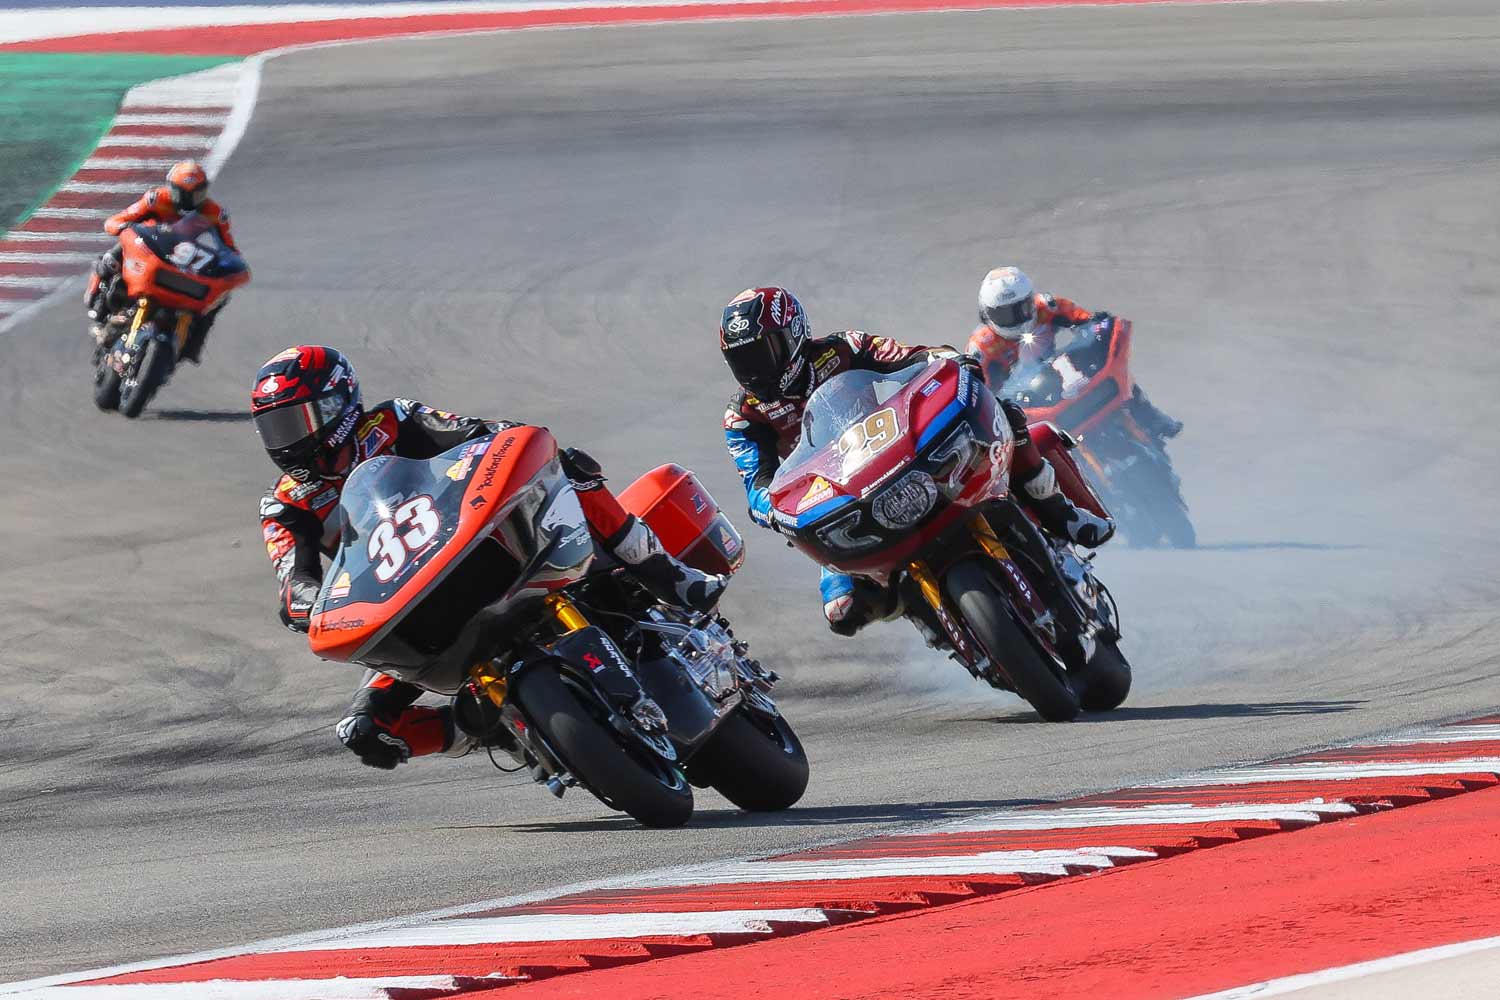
(1016, 320)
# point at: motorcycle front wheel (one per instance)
(654, 792)
(106, 387)
(136, 391)
(984, 606)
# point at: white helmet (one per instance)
(1007, 302)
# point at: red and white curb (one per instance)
(486, 946)
(199, 116)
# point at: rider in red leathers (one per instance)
(307, 410)
(1017, 322)
(769, 348)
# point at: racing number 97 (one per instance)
(870, 435)
(390, 549)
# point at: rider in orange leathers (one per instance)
(186, 191)
(1017, 322)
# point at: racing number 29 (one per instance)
(390, 549)
(871, 434)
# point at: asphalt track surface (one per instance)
(1297, 203)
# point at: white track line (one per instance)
(1337, 772)
(185, 142)
(168, 118)
(1457, 734)
(27, 280)
(46, 257)
(28, 236)
(127, 163)
(47, 212)
(102, 187)
(268, 989)
(574, 927)
(1290, 984)
(1171, 814)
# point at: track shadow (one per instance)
(814, 816)
(204, 416)
(1208, 710)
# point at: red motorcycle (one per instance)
(1087, 390)
(474, 575)
(173, 274)
(902, 481)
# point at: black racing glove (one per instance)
(297, 599)
(374, 746)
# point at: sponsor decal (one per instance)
(492, 467)
(458, 470)
(820, 490)
(730, 544)
(298, 492)
(335, 377)
(699, 504)
(931, 387)
(272, 385)
(345, 426)
(826, 362)
(324, 499)
(340, 586)
(792, 374)
(593, 662)
(342, 625)
(372, 436)
(477, 502)
(776, 300)
(880, 479)
(739, 324)
(777, 412)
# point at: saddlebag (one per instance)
(1056, 446)
(684, 516)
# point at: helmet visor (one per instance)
(189, 200)
(287, 425)
(1011, 315)
(757, 364)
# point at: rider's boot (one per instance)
(1057, 514)
(1152, 420)
(850, 604)
(668, 579)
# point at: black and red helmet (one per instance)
(306, 404)
(762, 335)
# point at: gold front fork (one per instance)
(922, 573)
(135, 324)
(985, 536)
(488, 675)
(184, 321)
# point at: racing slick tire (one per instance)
(106, 387)
(753, 760)
(155, 365)
(983, 606)
(1160, 512)
(1106, 679)
(656, 796)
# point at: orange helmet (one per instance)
(189, 185)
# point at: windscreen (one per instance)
(397, 513)
(193, 243)
(1080, 353)
(842, 403)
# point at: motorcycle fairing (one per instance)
(473, 489)
(183, 266)
(1049, 390)
(592, 654)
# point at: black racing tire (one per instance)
(984, 606)
(1106, 679)
(754, 761)
(154, 367)
(1159, 514)
(106, 387)
(659, 797)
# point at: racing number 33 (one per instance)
(391, 548)
(870, 435)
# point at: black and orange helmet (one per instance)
(305, 404)
(189, 183)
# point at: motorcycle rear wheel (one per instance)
(754, 761)
(983, 606)
(1160, 513)
(135, 393)
(656, 797)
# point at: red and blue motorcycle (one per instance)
(902, 480)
